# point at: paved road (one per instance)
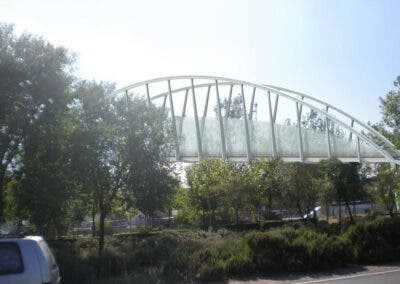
(382, 274)
(386, 277)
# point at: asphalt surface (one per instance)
(382, 274)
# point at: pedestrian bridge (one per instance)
(238, 120)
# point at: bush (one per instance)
(297, 249)
(270, 224)
(376, 241)
(186, 256)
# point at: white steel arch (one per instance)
(367, 144)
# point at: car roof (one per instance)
(5, 238)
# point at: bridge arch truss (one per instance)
(238, 120)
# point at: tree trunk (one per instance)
(269, 209)
(301, 212)
(203, 217)
(236, 216)
(392, 202)
(101, 231)
(211, 221)
(327, 212)
(340, 210)
(93, 223)
(349, 210)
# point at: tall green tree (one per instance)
(390, 109)
(35, 83)
(268, 178)
(387, 184)
(145, 141)
(238, 187)
(301, 191)
(345, 179)
(206, 181)
(96, 164)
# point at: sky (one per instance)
(344, 52)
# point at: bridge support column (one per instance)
(272, 125)
(221, 125)
(196, 119)
(246, 126)
(175, 133)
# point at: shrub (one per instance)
(185, 256)
(269, 224)
(297, 249)
(376, 241)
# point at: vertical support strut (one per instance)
(184, 103)
(126, 100)
(183, 112)
(205, 111)
(301, 106)
(271, 123)
(298, 110)
(228, 109)
(358, 150)
(221, 125)
(351, 133)
(148, 94)
(177, 153)
(246, 126)
(196, 119)
(328, 135)
(164, 102)
(252, 104)
(275, 106)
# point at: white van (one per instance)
(27, 260)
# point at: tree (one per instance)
(387, 184)
(45, 176)
(268, 182)
(301, 191)
(206, 180)
(231, 109)
(97, 167)
(35, 79)
(187, 213)
(238, 188)
(315, 121)
(390, 108)
(345, 179)
(143, 147)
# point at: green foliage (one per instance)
(148, 179)
(188, 256)
(268, 181)
(233, 108)
(302, 191)
(376, 241)
(298, 249)
(344, 179)
(187, 214)
(206, 180)
(390, 108)
(386, 187)
(35, 84)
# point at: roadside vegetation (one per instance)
(185, 256)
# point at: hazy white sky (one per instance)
(345, 52)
